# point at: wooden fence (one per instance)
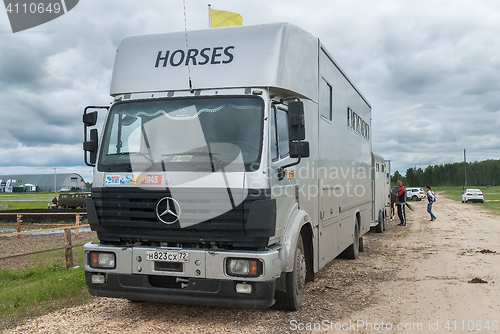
(67, 236)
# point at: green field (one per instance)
(21, 201)
(491, 196)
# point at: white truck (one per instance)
(234, 164)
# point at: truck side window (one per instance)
(274, 139)
(282, 118)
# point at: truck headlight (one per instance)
(102, 260)
(244, 267)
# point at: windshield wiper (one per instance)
(209, 154)
(144, 155)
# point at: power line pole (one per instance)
(465, 171)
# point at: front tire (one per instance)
(291, 299)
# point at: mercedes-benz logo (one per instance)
(168, 210)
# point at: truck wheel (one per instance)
(361, 247)
(380, 226)
(82, 206)
(64, 207)
(352, 251)
(291, 299)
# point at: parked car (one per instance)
(472, 195)
(73, 200)
(415, 194)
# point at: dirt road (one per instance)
(409, 280)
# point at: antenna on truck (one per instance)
(187, 47)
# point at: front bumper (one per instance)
(200, 281)
(199, 291)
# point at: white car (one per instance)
(415, 194)
(472, 195)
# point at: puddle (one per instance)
(5, 230)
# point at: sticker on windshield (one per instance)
(130, 179)
(113, 179)
(126, 179)
(181, 158)
(147, 179)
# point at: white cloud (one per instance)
(430, 69)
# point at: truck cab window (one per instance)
(282, 118)
(274, 138)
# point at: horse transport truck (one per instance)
(234, 164)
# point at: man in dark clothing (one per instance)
(400, 193)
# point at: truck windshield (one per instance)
(183, 134)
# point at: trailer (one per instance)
(381, 192)
(233, 165)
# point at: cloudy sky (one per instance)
(430, 69)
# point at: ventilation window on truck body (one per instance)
(325, 100)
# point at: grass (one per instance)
(20, 201)
(29, 292)
(41, 284)
(37, 284)
(491, 196)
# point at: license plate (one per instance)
(165, 256)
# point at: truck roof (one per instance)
(271, 55)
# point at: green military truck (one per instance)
(73, 200)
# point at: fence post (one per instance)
(19, 221)
(69, 251)
(77, 230)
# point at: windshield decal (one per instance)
(187, 113)
(182, 158)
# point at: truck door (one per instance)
(329, 188)
(282, 190)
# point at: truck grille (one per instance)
(130, 212)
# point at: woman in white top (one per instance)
(430, 199)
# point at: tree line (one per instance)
(478, 173)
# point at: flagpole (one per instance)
(209, 17)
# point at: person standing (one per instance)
(400, 193)
(430, 199)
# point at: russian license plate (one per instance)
(166, 256)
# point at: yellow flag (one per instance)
(221, 18)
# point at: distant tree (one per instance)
(88, 185)
(479, 173)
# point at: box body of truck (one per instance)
(198, 196)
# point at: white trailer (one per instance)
(233, 165)
(381, 192)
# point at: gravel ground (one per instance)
(419, 275)
(342, 287)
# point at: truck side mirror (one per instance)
(91, 147)
(90, 119)
(299, 149)
(297, 130)
(296, 123)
